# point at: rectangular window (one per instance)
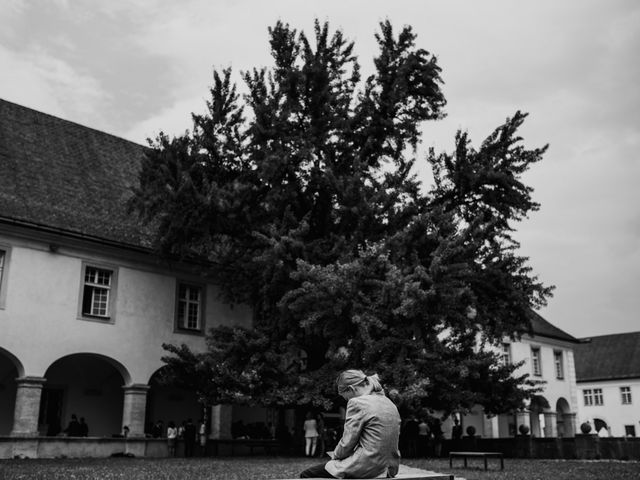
(96, 294)
(189, 306)
(588, 397)
(625, 393)
(597, 396)
(630, 430)
(535, 361)
(557, 359)
(505, 356)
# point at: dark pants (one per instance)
(316, 471)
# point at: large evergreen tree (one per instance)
(300, 199)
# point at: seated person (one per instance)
(369, 445)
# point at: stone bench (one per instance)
(410, 473)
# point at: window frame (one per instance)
(587, 394)
(113, 288)
(630, 431)
(4, 273)
(625, 395)
(598, 397)
(505, 353)
(558, 364)
(536, 361)
(178, 327)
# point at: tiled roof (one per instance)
(59, 175)
(543, 328)
(608, 357)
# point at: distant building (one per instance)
(85, 305)
(608, 375)
(548, 355)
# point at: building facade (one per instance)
(547, 354)
(608, 375)
(85, 305)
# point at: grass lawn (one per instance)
(262, 468)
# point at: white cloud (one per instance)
(48, 84)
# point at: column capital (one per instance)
(33, 382)
(140, 388)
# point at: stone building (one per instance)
(85, 306)
(608, 375)
(548, 355)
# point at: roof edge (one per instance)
(73, 234)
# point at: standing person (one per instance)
(202, 436)
(423, 438)
(310, 435)
(189, 438)
(172, 435)
(369, 444)
(436, 429)
(456, 430)
(158, 429)
(73, 429)
(321, 434)
(411, 437)
(84, 428)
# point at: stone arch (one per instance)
(565, 418)
(538, 406)
(87, 385)
(598, 424)
(168, 403)
(10, 369)
(14, 360)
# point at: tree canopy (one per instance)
(299, 197)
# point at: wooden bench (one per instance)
(267, 445)
(483, 455)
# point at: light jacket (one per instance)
(369, 445)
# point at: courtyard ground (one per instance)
(263, 468)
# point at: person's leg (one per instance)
(317, 471)
(314, 442)
(307, 446)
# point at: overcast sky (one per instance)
(133, 68)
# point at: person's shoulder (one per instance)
(364, 401)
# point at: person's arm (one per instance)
(353, 424)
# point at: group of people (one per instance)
(77, 428)
(421, 438)
(187, 432)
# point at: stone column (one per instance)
(220, 421)
(550, 424)
(490, 427)
(570, 427)
(135, 406)
(27, 409)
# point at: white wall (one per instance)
(40, 322)
(554, 388)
